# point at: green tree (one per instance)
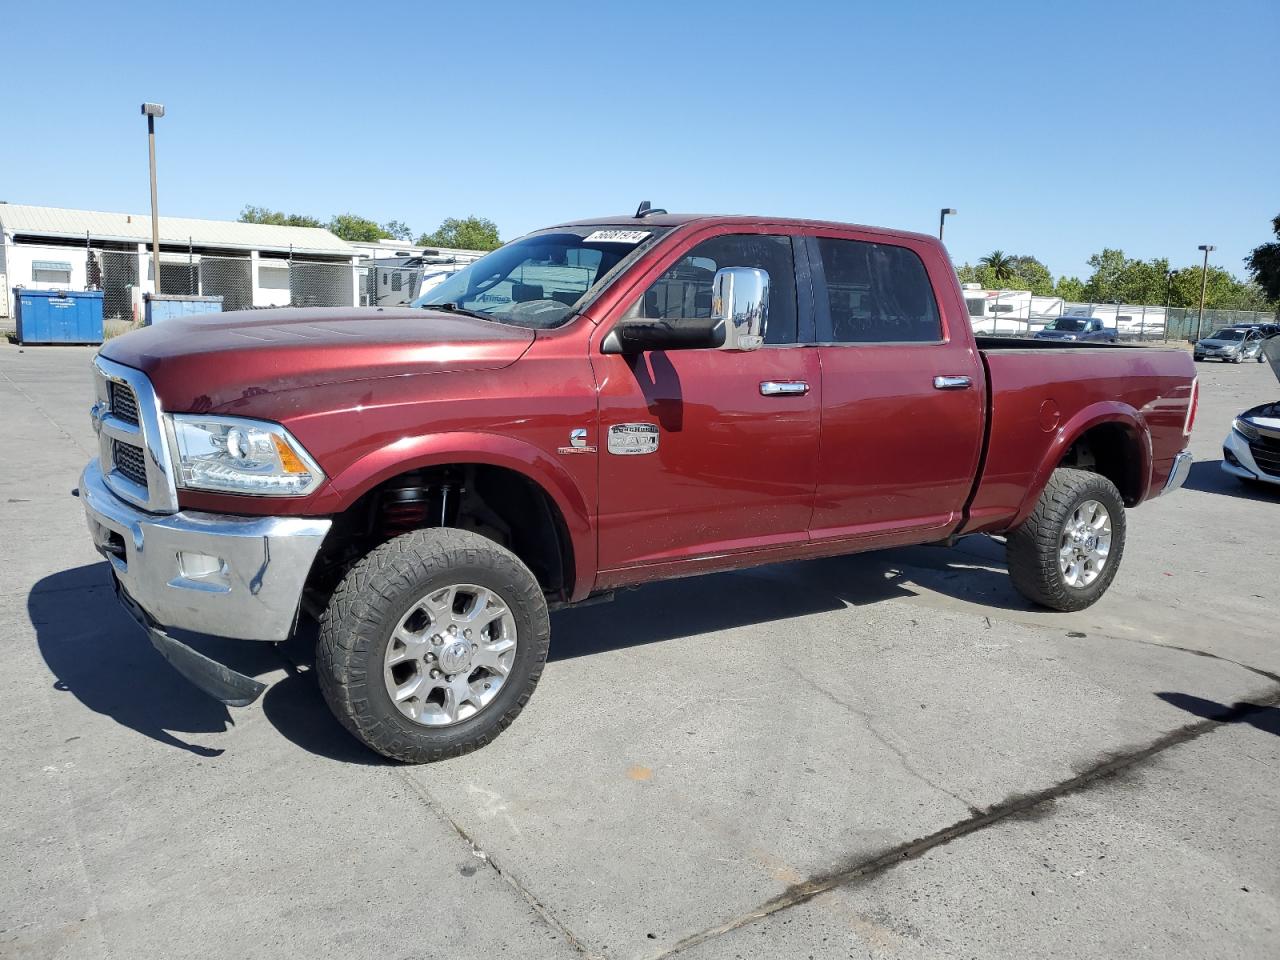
(1000, 265)
(356, 229)
(468, 233)
(1103, 284)
(1264, 265)
(397, 230)
(1031, 274)
(252, 214)
(1069, 288)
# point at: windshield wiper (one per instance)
(450, 307)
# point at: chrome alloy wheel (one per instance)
(1085, 544)
(450, 654)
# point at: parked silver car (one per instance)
(1235, 344)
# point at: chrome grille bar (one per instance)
(145, 480)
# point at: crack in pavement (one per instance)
(1112, 764)
(882, 739)
(541, 909)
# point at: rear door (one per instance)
(708, 453)
(903, 390)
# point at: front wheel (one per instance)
(432, 644)
(1065, 555)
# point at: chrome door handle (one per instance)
(952, 383)
(783, 388)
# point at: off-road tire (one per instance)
(1032, 549)
(368, 604)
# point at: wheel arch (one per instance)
(1120, 442)
(568, 503)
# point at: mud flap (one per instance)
(217, 680)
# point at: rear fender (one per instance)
(1094, 415)
(444, 449)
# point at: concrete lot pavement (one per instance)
(890, 755)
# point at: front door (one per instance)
(903, 401)
(701, 453)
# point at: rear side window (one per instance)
(878, 293)
(684, 291)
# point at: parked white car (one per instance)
(1252, 448)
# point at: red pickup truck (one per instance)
(596, 405)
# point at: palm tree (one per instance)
(1000, 265)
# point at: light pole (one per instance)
(942, 219)
(1168, 300)
(151, 111)
(1204, 283)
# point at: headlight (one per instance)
(237, 455)
(1245, 429)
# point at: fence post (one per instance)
(1142, 326)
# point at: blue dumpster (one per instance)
(158, 307)
(59, 316)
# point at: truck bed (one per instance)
(1043, 394)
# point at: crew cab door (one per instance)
(903, 390)
(705, 453)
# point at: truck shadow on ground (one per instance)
(974, 571)
(1207, 476)
(99, 655)
(1264, 718)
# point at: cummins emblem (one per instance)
(631, 439)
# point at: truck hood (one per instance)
(202, 362)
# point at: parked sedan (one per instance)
(1252, 448)
(1078, 328)
(1231, 343)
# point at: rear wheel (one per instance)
(1065, 555)
(432, 644)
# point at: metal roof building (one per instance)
(23, 221)
(247, 264)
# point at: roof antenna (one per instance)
(645, 210)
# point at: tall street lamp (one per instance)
(151, 111)
(1204, 283)
(942, 219)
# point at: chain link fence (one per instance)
(1017, 314)
(115, 273)
(281, 282)
(319, 284)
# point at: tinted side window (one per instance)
(878, 293)
(684, 291)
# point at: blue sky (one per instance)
(1054, 128)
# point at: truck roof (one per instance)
(680, 219)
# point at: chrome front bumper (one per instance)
(239, 577)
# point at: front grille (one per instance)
(129, 461)
(1266, 456)
(123, 403)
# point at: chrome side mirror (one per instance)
(740, 301)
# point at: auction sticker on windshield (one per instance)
(617, 236)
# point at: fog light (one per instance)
(196, 566)
(1230, 457)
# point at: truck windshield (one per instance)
(1065, 323)
(539, 281)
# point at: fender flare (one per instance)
(1094, 415)
(461, 448)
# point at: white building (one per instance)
(247, 264)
